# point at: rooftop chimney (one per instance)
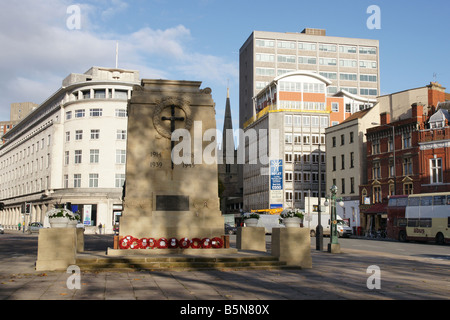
(385, 118)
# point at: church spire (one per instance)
(227, 137)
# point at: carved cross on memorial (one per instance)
(172, 120)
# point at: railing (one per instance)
(435, 134)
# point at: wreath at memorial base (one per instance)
(196, 243)
(184, 243)
(130, 242)
(217, 243)
(125, 242)
(162, 243)
(206, 243)
(173, 243)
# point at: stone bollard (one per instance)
(293, 246)
(251, 238)
(57, 249)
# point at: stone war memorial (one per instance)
(171, 201)
(171, 187)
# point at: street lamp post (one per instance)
(333, 246)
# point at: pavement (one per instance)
(349, 275)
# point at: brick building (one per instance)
(416, 161)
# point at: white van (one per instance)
(312, 221)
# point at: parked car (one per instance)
(229, 229)
(2, 230)
(34, 227)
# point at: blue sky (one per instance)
(200, 40)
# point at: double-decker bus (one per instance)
(428, 217)
(396, 221)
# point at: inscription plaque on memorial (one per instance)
(172, 203)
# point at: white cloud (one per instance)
(39, 51)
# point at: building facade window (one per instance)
(93, 180)
(408, 188)
(352, 185)
(97, 112)
(376, 170)
(406, 139)
(94, 156)
(376, 146)
(78, 156)
(120, 180)
(436, 171)
(79, 113)
(121, 134)
(77, 180)
(95, 134)
(121, 113)
(377, 196)
(66, 181)
(407, 166)
(121, 156)
(79, 135)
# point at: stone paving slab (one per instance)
(333, 276)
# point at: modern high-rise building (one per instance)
(293, 86)
(351, 64)
(71, 148)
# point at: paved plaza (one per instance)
(341, 276)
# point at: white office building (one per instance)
(71, 149)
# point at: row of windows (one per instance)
(313, 61)
(291, 86)
(297, 138)
(94, 112)
(34, 166)
(351, 139)
(94, 156)
(351, 161)
(299, 121)
(353, 90)
(307, 158)
(435, 167)
(101, 94)
(313, 47)
(377, 196)
(28, 187)
(95, 134)
(26, 152)
(342, 187)
(406, 143)
(330, 89)
(298, 195)
(350, 76)
(301, 105)
(93, 180)
(407, 166)
(290, 176)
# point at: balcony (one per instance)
(434, 134)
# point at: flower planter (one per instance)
(59, 222)
(292, 222)
(252, 222)
(62, 218)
